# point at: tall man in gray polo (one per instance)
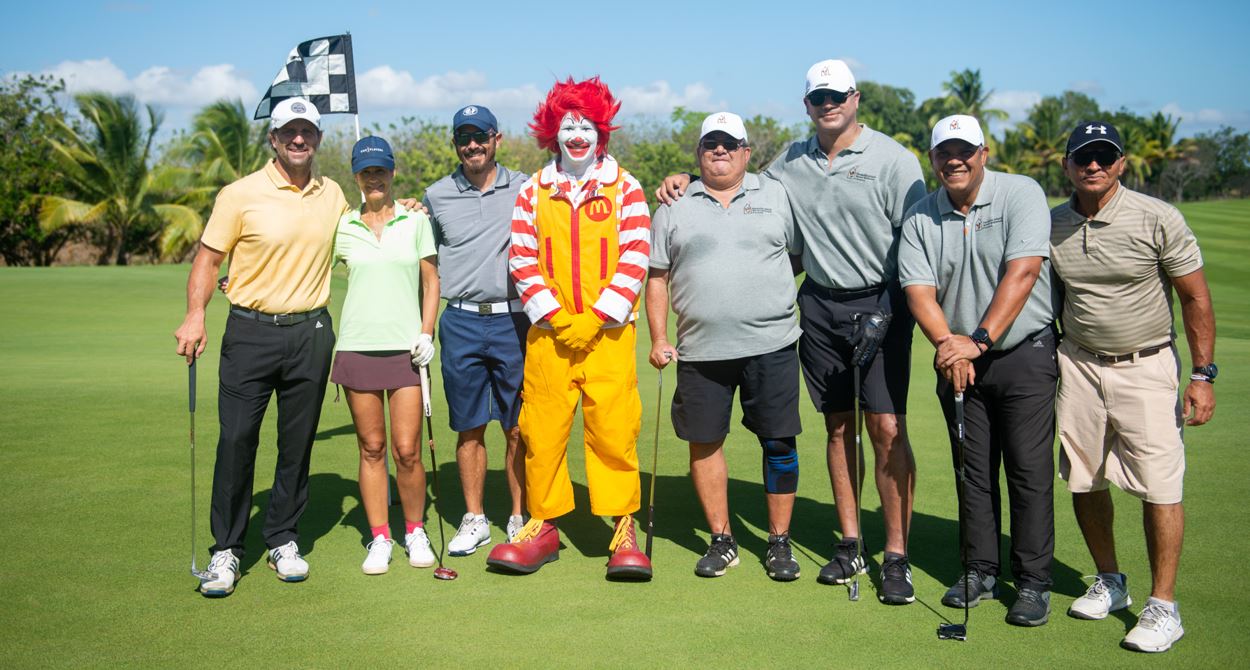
(849, 186)
(973, 261)
(732, 235)
(1119, 254)
(482, 330)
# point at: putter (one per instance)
(202, 575)
(852, 589)
(959, 631)
(655, 457)
(443, 573)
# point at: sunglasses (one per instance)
(1105, 157)
(731, 145)
(818, 98)
(463, 139)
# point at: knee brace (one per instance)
(781, 465)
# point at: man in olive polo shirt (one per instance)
(277, 224)
(1119, 254)
(973, 261)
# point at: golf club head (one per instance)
(953, 631)
(203, 575)
(445, 574)
(852, 590)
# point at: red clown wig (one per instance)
(591, 99)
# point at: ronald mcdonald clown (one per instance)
(580, 243)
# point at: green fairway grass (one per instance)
(94, 492)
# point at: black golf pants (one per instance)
(258, 359)
(1009, 416)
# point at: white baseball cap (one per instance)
(726, 122)
(833, 75)
(957, 127)
(294, 108)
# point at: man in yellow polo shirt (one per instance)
(278, 226)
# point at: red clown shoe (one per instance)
(537, 544)
(626, 561)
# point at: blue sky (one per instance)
(427, 59)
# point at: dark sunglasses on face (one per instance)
(1105, 157)
(731, 145)
(463, 139)
(818, 98)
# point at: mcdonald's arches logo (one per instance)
(599, 209)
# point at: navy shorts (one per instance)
(483, 358)
(768, 386)
(825, 350)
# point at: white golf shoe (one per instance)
(515, 523)
(225, 565)
(1108, 593)
(1157, 628)
(286, 561)
(378, 560)
(420, 555)
(474, 532)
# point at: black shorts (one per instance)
(769, 396)
(825, 350)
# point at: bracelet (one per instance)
(1200, 378)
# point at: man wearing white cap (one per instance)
(732, 235)
(849, 186)
(974, 263)
(277, 224)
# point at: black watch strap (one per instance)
(982, 336)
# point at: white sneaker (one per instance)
(378, 561)
(515, 523)
(225, 565)
(1157, 628)
(420, 555)
(286, 561)
(1107, 594)
(474, 532)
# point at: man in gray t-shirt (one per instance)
(722, 255)
(973, 261)
(482, 330)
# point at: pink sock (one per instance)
(410, 526)
(384, 531)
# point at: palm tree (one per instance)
(225, 145)
(106, 166)
(970, 97)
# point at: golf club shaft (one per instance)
(191, 409)
(655, 461)
(858, 482)
(429, 435)
(963, 533)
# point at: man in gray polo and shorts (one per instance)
(732, 235)
(849, 186)
(482, 329)
(973, 261)
(1119, 254)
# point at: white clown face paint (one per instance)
(578, 140)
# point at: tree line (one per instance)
(92, 175)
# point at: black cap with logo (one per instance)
(1089, 132)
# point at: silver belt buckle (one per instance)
(484, 308)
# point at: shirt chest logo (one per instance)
(599, 209)
(983, 224)
(748, 209)
(857, 175)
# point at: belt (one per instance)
(277, 319)
(513, 305)
(1148, 351)
(847, 294)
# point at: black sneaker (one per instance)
(845, 564)
(896, 586)
(978, 585)
(723, 554)
(780, 562)
(1032, 608)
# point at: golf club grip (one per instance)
(425, 390)
(191, 385)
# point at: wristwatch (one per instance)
(982, 336)
(1205, 373)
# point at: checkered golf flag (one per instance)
(320, 70)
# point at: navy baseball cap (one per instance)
(477, 116)
(1089, 132)
(372, 151)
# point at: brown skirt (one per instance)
(374, 370)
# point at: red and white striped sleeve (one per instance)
(633, 234)
(536, 298)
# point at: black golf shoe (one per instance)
(896, 588)
(976, 584)
(780, 563)
(1032, 608)
(720, 556)
(845, 564)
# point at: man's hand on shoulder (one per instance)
(672, 188)
(413, 205)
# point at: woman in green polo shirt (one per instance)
(386, 331)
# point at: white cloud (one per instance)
(1015, 103)
(159, 84)
(659, 98)
(1195, 121)
(384, 87)
(1089, 87)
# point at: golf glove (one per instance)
(582, 331)
(423, 351)
(870, 331)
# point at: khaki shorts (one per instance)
(1120, 423)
